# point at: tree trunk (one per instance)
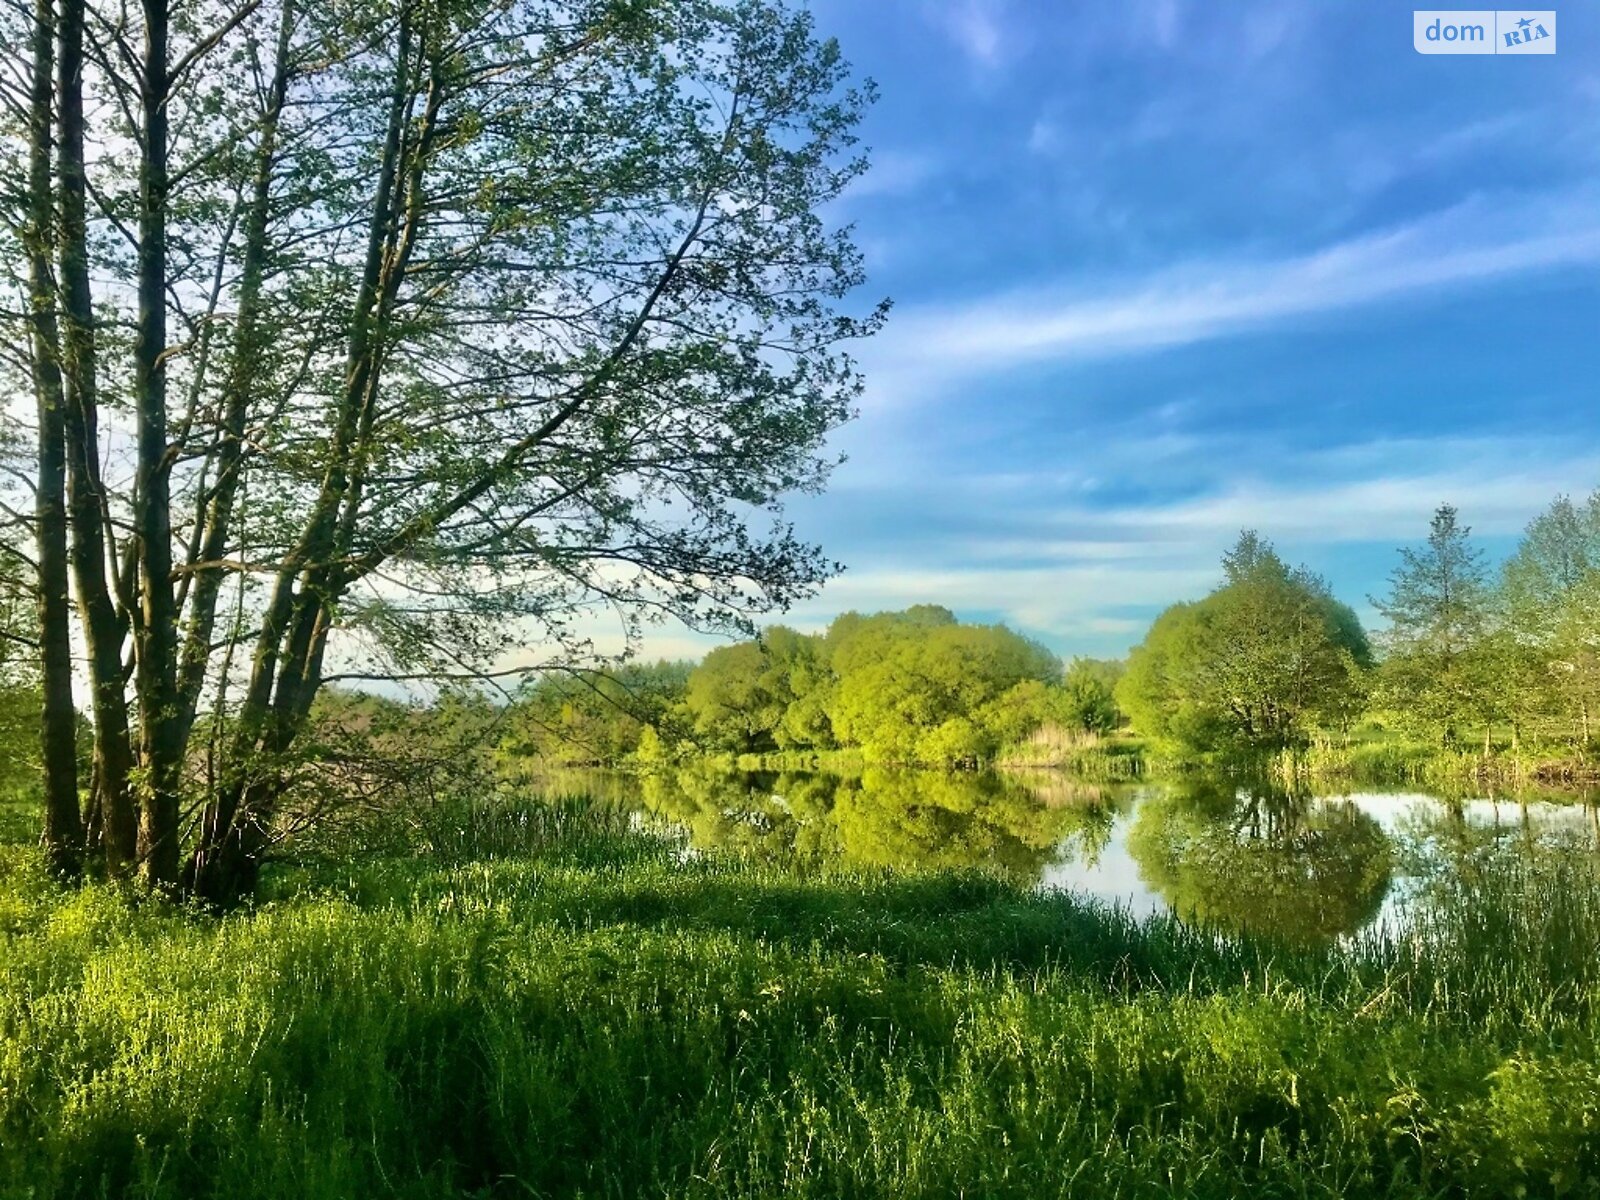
(233, 826)
(115, 819)
(156, 633)
(248, 342)
(63, 822)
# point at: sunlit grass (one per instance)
(557, 1006)
(1083, 753)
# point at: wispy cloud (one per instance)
(1089, 578)
(1474, 242)
(1385, 508)
(894, 173)
(974, 26)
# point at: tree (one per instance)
(448, 322)
(1253, 666)
(594, 717)
(1550, 597)
(32, 220)
(1089, 695)
(20, 700)
(913, 691)
(736, 700)
(768, 694)
(1437, 608)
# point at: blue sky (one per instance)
(1164, 269)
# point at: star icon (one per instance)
(1525, 22)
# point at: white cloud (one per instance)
(974, 26)
(1045, 137)
(1473, 242)
(1065, 603)
(1072, 572)
(1164, 19)
(893, 173)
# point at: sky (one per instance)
(1167, 269)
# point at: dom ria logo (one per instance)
(1484, 31)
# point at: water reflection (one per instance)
(1009, 824)
(1231, 853)
(1259, 857)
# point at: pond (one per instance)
(1248, 856)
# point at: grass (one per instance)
(1081, 753)
(564, 1006)
(1386, 759)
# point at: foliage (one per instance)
(1551, 612)
(762, 695)
(1253, 666)
(533, 310)
(1089, 695)
(1437, 608)
(593, 716)
(20, 699)
(905, 687)
(908, 692)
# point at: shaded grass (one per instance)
(596, 1014)
(1388, 760)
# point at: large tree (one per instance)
(1438, 613)
(410, 330)
(915, 688)
(762, 695)
(1254, 666)
(1550, 592)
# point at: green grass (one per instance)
(1085, 755)
(1386, 759)
(558, 1006)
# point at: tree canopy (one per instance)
(413, 331)
(1437, 609)
(1253, 665)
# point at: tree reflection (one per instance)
(1015, 826)
(1258, 857)
(759, 814)
(892, 818)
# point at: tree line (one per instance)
(366, 339)
(913, 687)
(1268, 661)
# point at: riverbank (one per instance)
(564, 1007)
(1503, 770)
(1382, 762)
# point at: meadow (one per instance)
(551, 1001)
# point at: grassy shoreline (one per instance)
(581, 1011)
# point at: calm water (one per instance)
(1305, 866)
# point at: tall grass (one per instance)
(1387, 761)
(590, 1013)
(1079, 752)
